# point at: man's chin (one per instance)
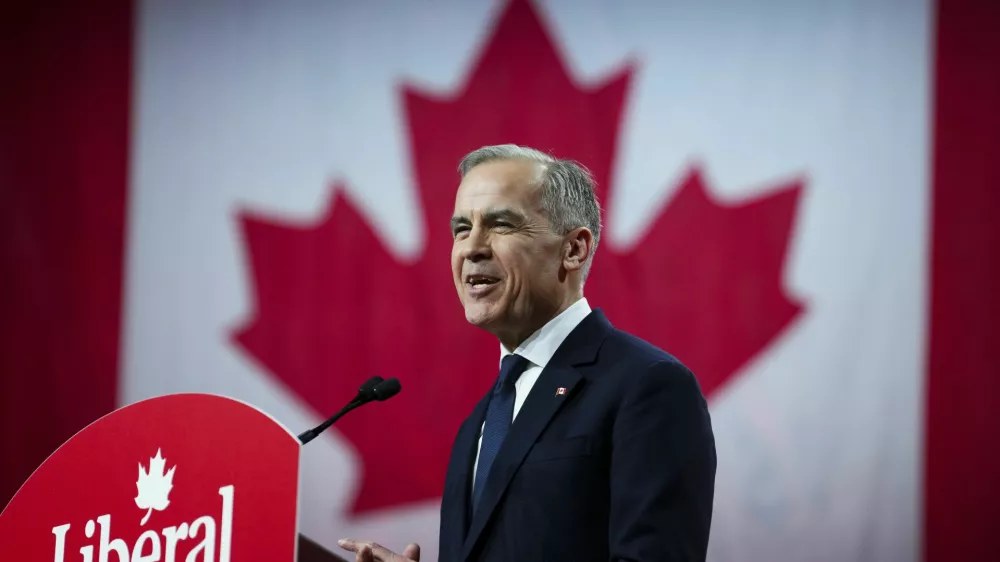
(480, 316)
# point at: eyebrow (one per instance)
(458, 221)
(489, 217)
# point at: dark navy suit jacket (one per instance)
(619, 467)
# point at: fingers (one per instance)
(363, 552)
(412, 551)
(366, 551)
(383, 554)
(350, 544)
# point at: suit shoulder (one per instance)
(639, 351)
(642, 364)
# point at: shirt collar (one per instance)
(542, 345)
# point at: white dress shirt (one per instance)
(538, 349)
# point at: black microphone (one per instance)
(374, 388)
(367, 390)
(387, 389)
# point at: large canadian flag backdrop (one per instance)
(772, 176)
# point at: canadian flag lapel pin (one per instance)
(561, 391)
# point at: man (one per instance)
(592, 444)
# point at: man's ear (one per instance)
(577, 248)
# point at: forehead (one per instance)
(501, 183)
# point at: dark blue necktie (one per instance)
(499, 415)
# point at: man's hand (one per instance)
(367, 551)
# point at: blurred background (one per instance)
(251, 198)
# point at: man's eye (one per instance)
(459, 230)
(502, 224)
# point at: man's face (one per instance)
(506, 260)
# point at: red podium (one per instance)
(177, 478)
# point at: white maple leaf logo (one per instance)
(154, 486)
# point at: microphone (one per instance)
(367, 390)
(387, 389)
(372, 389)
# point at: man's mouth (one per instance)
(478, 281)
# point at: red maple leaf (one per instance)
(335, 307)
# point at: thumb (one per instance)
(412, 551)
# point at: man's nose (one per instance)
(477, 247)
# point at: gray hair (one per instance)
(567, 189)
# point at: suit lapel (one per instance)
(458, 487)
(538, 409)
